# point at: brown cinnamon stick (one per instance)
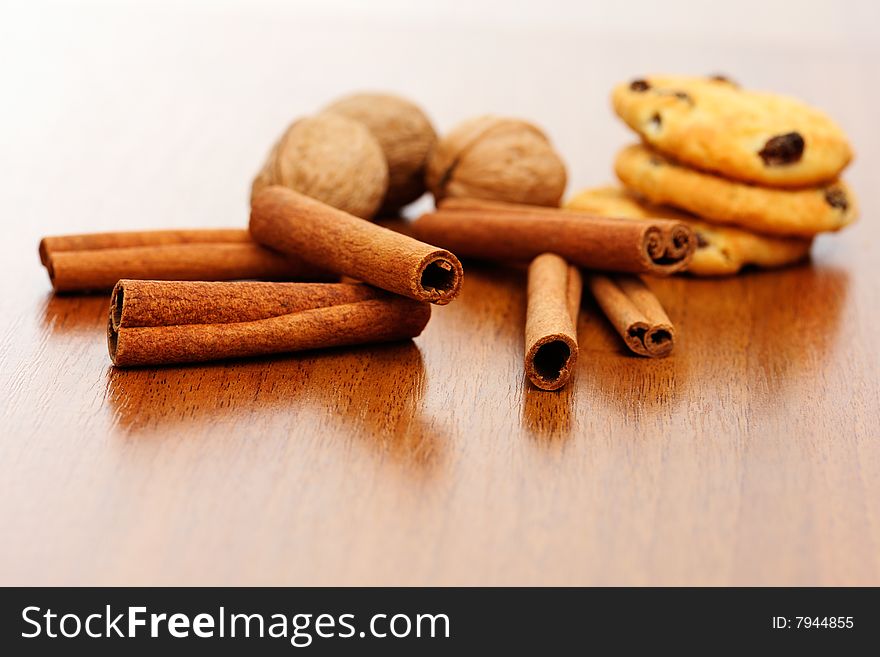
(165, 322)
(635, 313)
(120, 240)
(98, 261)
(505, 231)
(298, 225)
(554, 298)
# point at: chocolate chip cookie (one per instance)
(794, 212)
(721, 250)
(714, 125)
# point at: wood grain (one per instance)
(750, 456)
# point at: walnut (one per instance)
(331, 158)
(497, 158)
(405, 134)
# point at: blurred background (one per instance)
(204, 82)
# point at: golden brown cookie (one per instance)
(721, 250)
(801, 212)
(714, 125)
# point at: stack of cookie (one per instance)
(756, 173)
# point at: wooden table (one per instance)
(749, 457)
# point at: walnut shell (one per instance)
(405, 134)
(330, 158)
(497, 158)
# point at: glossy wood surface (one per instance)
(751, 456)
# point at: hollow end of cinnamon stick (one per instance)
(635, 313)
(550, 361)
(44, 253)
(682, 242)
(669, 250)
(439, 279)
(116, 304)
(654, 341)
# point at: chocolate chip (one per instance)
(639, 85)
(836, 198)
(702, 242)
(656, 122)
(675, 93)
(723, 78)
(782, 149)
(681, 95)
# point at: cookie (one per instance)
(721, 250)
(796, 212)
(750, 136)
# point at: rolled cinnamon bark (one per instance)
(335, 240)
(635, 313)
(505, 231)
(554, 298)
(121, 240)
(166, 322)
(98, 261)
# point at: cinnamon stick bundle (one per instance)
(99, 260)
(635, 313)
(165, 322)
(118, 240)
(504, 231)
(554, 298)
(329, 238)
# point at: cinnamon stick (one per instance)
(119, 240)
(504, 231)
(554, 298)
(166, 322)
(99, 260)
(635, 313)
(329, 238)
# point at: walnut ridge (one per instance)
(332, 159)
(405, 134)
(497, 158)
